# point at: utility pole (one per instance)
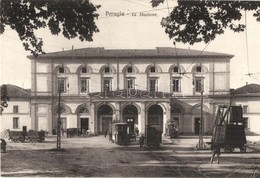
(201, 144)
(59, 119)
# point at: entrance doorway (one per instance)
(105, 115)
(130, 115)
(106, 124)
(197, 125)
(155, 116)
(84, 123)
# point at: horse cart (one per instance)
(30, 136)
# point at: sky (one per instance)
(135, 32)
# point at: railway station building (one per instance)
(99, 86)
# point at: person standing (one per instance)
(105, 134)
(141, 141)
(3, 145)
(215, 148)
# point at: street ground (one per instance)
(98, 157)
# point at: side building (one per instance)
(248, 97)
(139, 87)
(17, 115)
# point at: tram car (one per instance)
(119, 133)
(229, 131)
(153, 136)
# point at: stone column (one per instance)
(142, 118)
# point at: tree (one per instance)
(72, 18)
(4, 98)
(195, 21)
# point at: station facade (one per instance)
(151, 86)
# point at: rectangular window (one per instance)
(198, 69)
(245, 119)
(15, 109)
(129, 70)
(62, 86)
(15, 122)
(107, 70)
(199, 85)
(107, 85)
(84, 70)
(84, 85)
(61, 70)
(245, 109)
(153, 84)
(130, 83)
(152, 70)
(176, 85)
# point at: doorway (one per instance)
(197, 125)
(84, 123)
(106, 122)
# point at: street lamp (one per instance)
(59, 118)
(201, 144)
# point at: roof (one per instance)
(247, 89)
(163, 52)
(14, 91)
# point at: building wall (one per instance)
(44, 84)
(23, 115)
(253, 111)
(216, 78)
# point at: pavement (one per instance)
(178, 156)
(253, 142)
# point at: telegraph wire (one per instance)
(144, 5)
(247, 55)
(197, 57)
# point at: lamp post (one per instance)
(59, 118)
(201, 144)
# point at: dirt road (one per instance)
(93, 156)
(98, 157)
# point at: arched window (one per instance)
(84, 79)
(152, 69)
(60, 70)
(199, 72)
(198, 69)
(176, 77)
(84, 70)
(107, 70)
(62, 83)
(83, 110)
(175, 69)
(129, 69)
(130, 75)
(153, 77)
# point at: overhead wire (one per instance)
(145, 5)
(247, 55)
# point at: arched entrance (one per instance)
(130, 116)
(83, 119)
(196, 114)
(104, 115)
(64, 111)
(176, 120)
(155, 116)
